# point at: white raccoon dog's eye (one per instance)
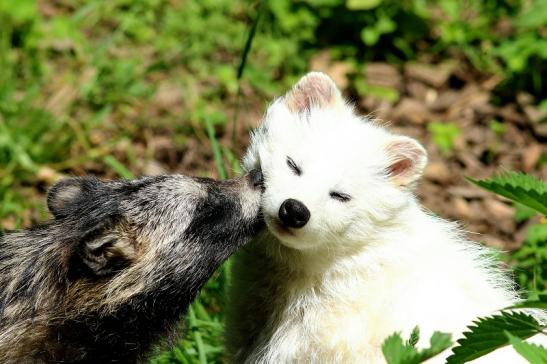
(342, 197)
(296, 170)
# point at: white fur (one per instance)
(332, 291)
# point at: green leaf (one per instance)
(540, 301)
(439, 342)
(537, 234)
(397, 352)
(362, 4)
(534, 18)
(535, 354)
(370, 36)
(523, 213)
(444, 135)
(497, 126)
(487, 334)
(389, 94)
(21, 10)
(414, 337)
(519, 187)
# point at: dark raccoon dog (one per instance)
(119, 264)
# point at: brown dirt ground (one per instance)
(447, 92)
(442, 93)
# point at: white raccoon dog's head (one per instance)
(331, 177)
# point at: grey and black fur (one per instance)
(117, 267)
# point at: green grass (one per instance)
(79, 94)
(204, 335)
(444, 135)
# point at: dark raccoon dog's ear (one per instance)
(103, 245)
(106, 253)
(315, 89)
(66, 196)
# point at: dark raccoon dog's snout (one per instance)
(294, 214)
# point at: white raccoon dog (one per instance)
(349, 256)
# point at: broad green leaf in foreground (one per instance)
(488, 334)
(522, 188)
(397, 352)
(535, 354)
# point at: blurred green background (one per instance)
(122, 88)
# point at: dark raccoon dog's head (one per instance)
(133, 235)
(119, 263)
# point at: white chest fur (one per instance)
(359, 258)
(309, 308)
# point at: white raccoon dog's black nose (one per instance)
(294, 213)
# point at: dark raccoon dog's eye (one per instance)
(342, 197)
(296, 170)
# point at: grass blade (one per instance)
(243, 62)
(118, 167)
(216, 150)
(250, 38)
(197, 335)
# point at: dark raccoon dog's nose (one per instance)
(256, 179)
(294, 213)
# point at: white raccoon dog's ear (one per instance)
(315, 89)
(407, 160)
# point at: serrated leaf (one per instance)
(414, 337)
(487, 334)
(394, 349)
(535, 354)
(519, 187)
(439, 341)
(397, 352)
